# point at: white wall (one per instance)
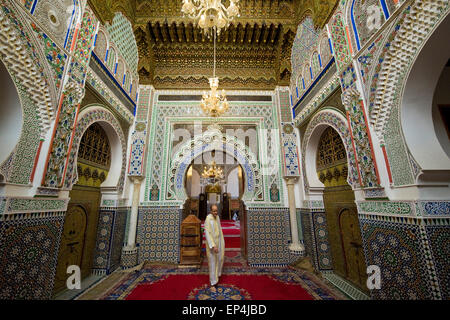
(10, 114)
(233, 183)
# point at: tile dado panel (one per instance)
(110, 238)
(412, 254)
(28, 254)
(315, 234)
(269, 235)
(158, 234)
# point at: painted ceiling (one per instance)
(252, 53)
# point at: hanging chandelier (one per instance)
(213, 172)
(209, 14)
(214, 104)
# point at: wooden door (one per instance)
(352, 248)
(72, 244)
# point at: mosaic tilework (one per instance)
(19, 167)
(156, 169)
(83, 47)
(367, 18)
(285, 106)
(401, 49)
(23, 60)
(268, 236)
(298, 216)
(35, 205)
(400, 252)
(59, 18)
(139, 135)
(308, 235)
(158, 234)
(348, 77)
(28, 255)
(56, 58)
(110, 237)
(121, 33)
(290, 151)
(129, 258)
(339, 39)
(215, 140)
(367, 59)
(362, 141)
(136, 159)
(68, 112)
(95, 81)
(118, 233)
(439, 240)
(101, 253)
(323, 248)
(303, 112)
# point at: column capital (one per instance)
(136, 179)
(291, 180)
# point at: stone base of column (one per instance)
(297, 249)
(129, 258)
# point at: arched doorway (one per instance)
(80, 226)
(340, 209)
(227, 193)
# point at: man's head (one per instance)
(214, 210)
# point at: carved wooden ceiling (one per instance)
(253, 53)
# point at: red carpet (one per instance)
(238, 282)
(257, 287)
(231, 233)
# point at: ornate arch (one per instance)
(328, 117)
(20, 55)
(101, 44)
(215, 140)
(98, 114)
(388, 82)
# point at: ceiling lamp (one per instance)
(213, 172)
(208, 14)
(214, 103)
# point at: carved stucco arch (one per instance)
(328, 117)
(388, 94)
(209, 141)
(98, 114)
(22, 58)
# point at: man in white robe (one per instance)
(215, 246)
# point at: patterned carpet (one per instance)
(238, 282)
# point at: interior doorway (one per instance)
(341, 211)
(80, 226)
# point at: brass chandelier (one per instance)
(213, 172)
(214, 103)
(209, 14)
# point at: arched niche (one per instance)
(10, 114)
(101, 45)
(97, 114)
(325, 118)
(417, 103)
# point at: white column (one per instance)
(295, 245)
(131, 243)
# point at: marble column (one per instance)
(131, 242)
(295, 246)
(129, 252)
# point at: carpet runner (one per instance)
(231, 233)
